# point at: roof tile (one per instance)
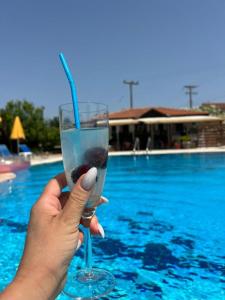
(135, 113)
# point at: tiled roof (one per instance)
(129, 113)
(172, 112)
(136, 113)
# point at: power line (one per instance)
(130, 84)
(190, 92)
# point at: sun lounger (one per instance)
(25, 151)
(4, 151)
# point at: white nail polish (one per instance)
(78, 244)
(105, 200)
(101, 230)
(89, 179)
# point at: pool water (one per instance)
(165, 237)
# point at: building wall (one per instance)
(223, 133)
(168, 136)
(211, 134)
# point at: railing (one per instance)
(149, 144)
(136, 144)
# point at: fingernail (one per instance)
(101, 231)
(89, 179)
(78, 244)
(105, 200)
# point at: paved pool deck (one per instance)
(170, 151)
(51, 158)
(45, 159)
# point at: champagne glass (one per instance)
(83, 149)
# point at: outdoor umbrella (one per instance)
(17, 131)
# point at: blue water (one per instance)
(165, 237)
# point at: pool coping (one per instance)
(170, 151)
(53, 158)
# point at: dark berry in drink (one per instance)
(96, 157)
(77, 172)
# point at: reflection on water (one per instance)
(164, 226)
(6, 187)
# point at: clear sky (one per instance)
(165, 44)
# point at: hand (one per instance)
(52, 238)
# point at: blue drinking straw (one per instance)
(73, 90)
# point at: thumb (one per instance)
(79, 195)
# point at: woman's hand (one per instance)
(52, 238)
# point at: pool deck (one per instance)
(170, 151)
(51, 158)
(45, 159)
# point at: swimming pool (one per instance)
(165, 235)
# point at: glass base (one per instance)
(89, 285)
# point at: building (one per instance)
(164, 128)
(215, 108)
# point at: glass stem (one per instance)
(88, 250)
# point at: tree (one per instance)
(38, 131)
(52, 138)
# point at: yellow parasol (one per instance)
(17, 131)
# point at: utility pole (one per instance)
(190, 92)
(131, 83)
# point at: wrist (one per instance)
(36, 285)
(21, 289)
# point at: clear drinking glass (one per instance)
(82, 149)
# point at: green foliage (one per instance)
(52, 137)
(211, 109)
(40, 133)
(185, 138)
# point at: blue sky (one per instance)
(165, 44)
